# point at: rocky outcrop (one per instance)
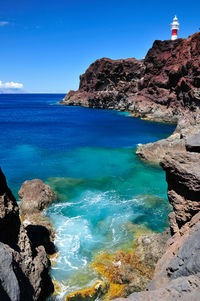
(155, 152)
(35, 196)
(177, 273)
(106, 83)
(183, 178)
(165, 86)
(184, 138)
(159, 87)
(24, 268)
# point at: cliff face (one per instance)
(24, 268)
(106, 84)
(173, 72)
(177, 273)
(160, 87)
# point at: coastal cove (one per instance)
(88, 158)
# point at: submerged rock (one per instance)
(130, 271)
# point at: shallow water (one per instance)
(88, 158)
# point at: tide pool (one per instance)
(88, 157)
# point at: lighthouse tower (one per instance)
(174, 28)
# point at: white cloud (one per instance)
(11, 85)
(3, 23)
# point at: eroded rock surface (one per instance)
(35, 196)
(177, 273)
(160, 87)
(183, 178)
(24, 269)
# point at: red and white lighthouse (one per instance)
(174, 28)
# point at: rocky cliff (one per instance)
(177, 273)
(165, 86)
(24, 266)
(160, 87)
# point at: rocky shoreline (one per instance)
(177, 273)
(164, 87)
(24, 264)
(24, 268)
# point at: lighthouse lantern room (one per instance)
(174, 28)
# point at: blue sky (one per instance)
(46, 45)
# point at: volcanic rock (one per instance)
(188, 126)
(177, 272)
(160, 87)
(35, 196)
(24, 269)
(165, 86)
(183, 178)
(9, 214)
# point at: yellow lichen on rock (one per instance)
(115, 291)
(124, 272)
(102, 264)
(58, 287)
(53, 258)
(99, 288)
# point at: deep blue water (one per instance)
(88, 157)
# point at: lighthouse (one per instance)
(174, 28)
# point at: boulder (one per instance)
(35, 196)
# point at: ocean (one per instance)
(88, 157)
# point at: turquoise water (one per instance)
(88, 157)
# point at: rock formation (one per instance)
(24, 268)
(177, 273)
(35, 197)
(184, 138)
(160, 87)
(165, 86)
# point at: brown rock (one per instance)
(151, 247)
(160, 87)
(177, 273)
(155, 152)
(183, 178)
(35, 196)
(24, 268)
